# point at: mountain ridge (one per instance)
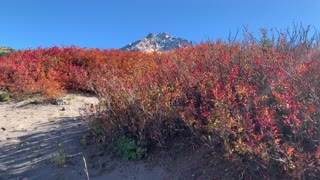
(159, 42)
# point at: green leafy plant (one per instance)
(5, 96)
(129, 149)
(59, 159)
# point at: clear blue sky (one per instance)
(115, 23)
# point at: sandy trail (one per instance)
(35, 131)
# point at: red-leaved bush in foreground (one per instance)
(259, 101)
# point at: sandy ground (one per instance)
(35, 131)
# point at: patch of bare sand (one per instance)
(35, 131)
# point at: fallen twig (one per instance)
(85, 168)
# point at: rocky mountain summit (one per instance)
(159, 42)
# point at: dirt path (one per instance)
(35, 131)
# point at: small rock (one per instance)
(60, 102)
(63, 109)
(2, 129)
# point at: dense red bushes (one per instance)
(260, 103)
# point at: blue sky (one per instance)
(115, 23)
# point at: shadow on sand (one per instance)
(36, 149)
(31, 157)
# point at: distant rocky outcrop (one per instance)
(159, 42)
(5, 50)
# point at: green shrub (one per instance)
(59, 159)
(4, 97)
(129, 149)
